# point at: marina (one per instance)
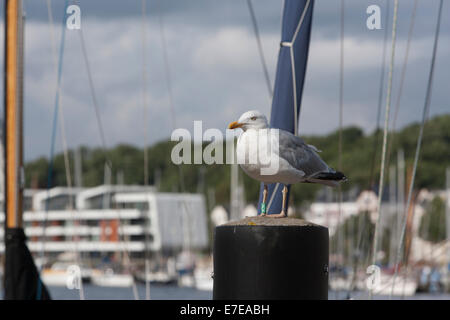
(290, 185)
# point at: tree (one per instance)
(432, 224)
(357, 153)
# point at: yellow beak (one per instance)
(235, 125)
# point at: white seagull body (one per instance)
(296, 161)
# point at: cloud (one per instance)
(214, 67)
(232, 47)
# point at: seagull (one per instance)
(298, 162)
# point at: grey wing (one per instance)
(300, 155)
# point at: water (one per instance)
(359, 295)
(173, 292)
(157, 292)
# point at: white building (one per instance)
(111, 219)
(327, 213)
(176, 220)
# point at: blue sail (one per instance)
(294, 46)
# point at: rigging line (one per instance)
(299, 25)
(380, 99)
(169, 85)
(294, 81)
(402, 79)
(122, 238)
(52, 28)
(294, 84)
(363, 224)
(425, 113)
(341, 113)
(385, 136)
(144, 88)
(397, 107)
(172, 106)
(64, 140)
(167, 69)
(69, 186)
(125, 245)
(52, 145)
(341, 84)
(146, 175)
(94, 98)
(126, 252)
(260, 49)
(171, 100)
(283, 3)
(169, 88)
(108, 161)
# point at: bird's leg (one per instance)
(282, 214)
(263, 203)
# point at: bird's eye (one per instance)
(253, 118)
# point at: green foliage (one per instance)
(432, 224)
(355, 232)
(357, 159)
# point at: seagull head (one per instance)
(250, 120)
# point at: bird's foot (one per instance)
(279, 215)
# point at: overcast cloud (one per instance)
(215, 68)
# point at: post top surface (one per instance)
(266, 221)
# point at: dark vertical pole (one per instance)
(264, 258)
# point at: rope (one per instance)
(94, 97)
(397, 107)
(402, 79)
(126, 253)
(108, 161)
(167, 70)
(386, 125)
(69, 186)
(380, 99)
(145, 105)
(52, 29)
(426, 109)
(64, 142)
(52, 144)
(260, 49)
(169, 88)
(291, 48)
(341, 86)
(290, 45)
(173, 114)
(341, 114)
(362, 222)
(144, 89)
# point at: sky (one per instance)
(214, 67)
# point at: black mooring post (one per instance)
(267, 258)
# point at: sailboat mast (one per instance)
(14, 174)
(447, 220)
(392, 223)
(234, 195)
(400, 191)
(21, 278)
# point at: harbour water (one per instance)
(173, 292)
(157, 292)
